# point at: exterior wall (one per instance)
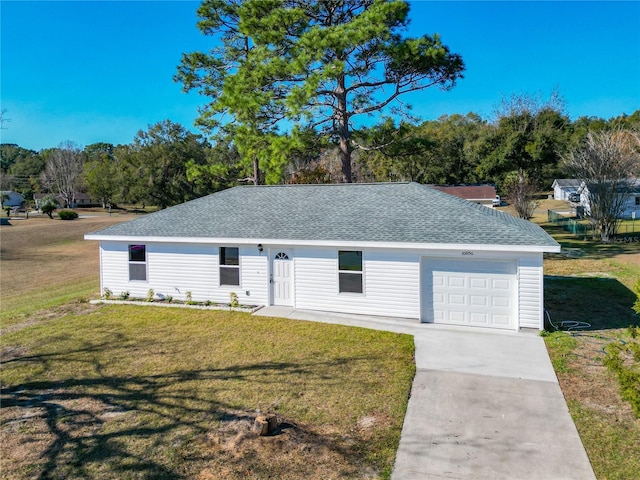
(531, 291)
(632, 205)
(562, 193)
(627, 211)
(391, 283)
(391, 278)
(175, 268)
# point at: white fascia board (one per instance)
(329, 243)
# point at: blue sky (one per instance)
(101, 71)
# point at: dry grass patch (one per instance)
(144, 392)
(49, 262)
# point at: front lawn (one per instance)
(145, 392)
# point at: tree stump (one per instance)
(265, 424)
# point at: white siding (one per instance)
(391, 283)
(175, 268)
(531, 292)
(391, 278)
(630, 207)
(562, 193)
(254, 278)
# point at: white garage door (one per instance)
(479, 293)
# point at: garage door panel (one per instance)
(478, 300)
(501, 320)
(456, 299)
(480, 293)
(479, 319)
(500, 283)
(501, 302)
(475, 282)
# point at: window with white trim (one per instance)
(138, 262)
(637, 201)
(229, 266)
(350, 271)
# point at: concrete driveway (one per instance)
(485, 404)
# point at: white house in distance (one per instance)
(630, 207)
(563, 187)
(390, 249)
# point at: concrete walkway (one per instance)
(485, 404)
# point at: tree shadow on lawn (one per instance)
(147, 426)
(604, 303)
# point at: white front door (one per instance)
(281, 281)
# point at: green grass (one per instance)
(612, 445)
(138, 392)
(561, 346)
(17, 308)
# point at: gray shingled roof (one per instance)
(380, 212)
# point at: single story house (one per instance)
(11, 199)
(630, 207)
(482, 194)
(564, 187)
(81, 200)
(389, 249)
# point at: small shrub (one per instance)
(67, 215)
(106, 293)
(168, 299)
(627, 373)
(636, 306)
(189, 298)
(150, 294)
(124, 295)
(48, 204)
(234, 300)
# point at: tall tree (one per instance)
(62, 173)
(20, 169)
(156, 162)
(312, 64)
(101, 175)
(606, 163)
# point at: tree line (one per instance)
(167, 164)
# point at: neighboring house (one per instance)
(631, 207)
(81, 200)
(564, 187)
(14, 199)
(482, 194)
(37, 197)
(389, 249)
